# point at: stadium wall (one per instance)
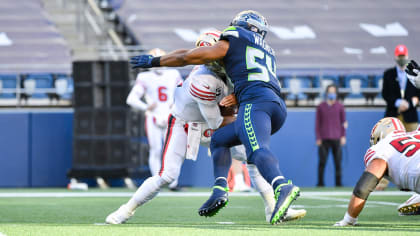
(37, 149)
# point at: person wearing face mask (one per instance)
(330, 129)
(401, 96)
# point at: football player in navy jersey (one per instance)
(251, 65)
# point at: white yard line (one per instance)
(347, 200)
(309, 194)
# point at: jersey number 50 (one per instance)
(269, 67)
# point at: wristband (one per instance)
(155, 62)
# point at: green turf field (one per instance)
(23, 214)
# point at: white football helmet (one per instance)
(384, 127)
(157, 52)
(208, 38)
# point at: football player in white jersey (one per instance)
(158, 87)
(194, 116)
(394, 154)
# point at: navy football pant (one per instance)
(253, 127)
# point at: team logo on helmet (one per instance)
(208, 133)
(208, 38)
(384, 127)
(251, 20)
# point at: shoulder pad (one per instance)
(203, 87)
(230, 31)
(369, 154)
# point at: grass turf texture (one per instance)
(178, 216)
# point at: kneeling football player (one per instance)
(394, 155)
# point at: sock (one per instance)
(221, 181)
(146, 192)
(221, 164)
(262, 186)
(239, 179)
(268, 166)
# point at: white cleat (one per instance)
(411, 206)
(291, 214)
(119, 216)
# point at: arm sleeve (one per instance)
(134, 97)
(318, 123)
(343, 120)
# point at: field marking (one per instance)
(226, 223)
(347, 200)
(182, 194)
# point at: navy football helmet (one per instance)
(251, 20)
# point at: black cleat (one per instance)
(217, 200)
(285, 194)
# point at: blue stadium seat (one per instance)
(355, 84)
(296, 86)
(8, 82)
(325, 80)
(64, 86)
(38, 81)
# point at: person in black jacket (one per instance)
(400, 95)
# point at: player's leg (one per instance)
(322, 154)
(154, 137)
(259, 122)
(337, 154)
(267, 194)
(221, 141)
(239, 170)
(173, 157)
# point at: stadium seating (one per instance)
(8, 85)
(29, 42)
(42, 82)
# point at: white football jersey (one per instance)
(198, 98)
(401, 152)
(159, 86)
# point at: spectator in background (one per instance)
(330, 126)
(401, 97)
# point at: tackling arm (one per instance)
(196, 56)
(366, 184)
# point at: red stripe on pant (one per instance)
(171, 123)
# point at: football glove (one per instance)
(142, 61)
(347, 221)
(413, 73)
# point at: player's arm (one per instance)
(196, 56)
(366, 184)
(134, 98)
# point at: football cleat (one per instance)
(284, 194)
(217, 200)
(119, 216)
(293, 214)
(410, 207)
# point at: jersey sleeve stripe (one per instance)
(206, 99)
(193, 92)
(368, 157)
(201, 91)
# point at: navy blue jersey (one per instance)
(251, 65)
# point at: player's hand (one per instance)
(151, 107)
(415, 101)
(229, 100)
(318, 142)
(343, 141)
(403, 106)
(413, 73)
(142, 61)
